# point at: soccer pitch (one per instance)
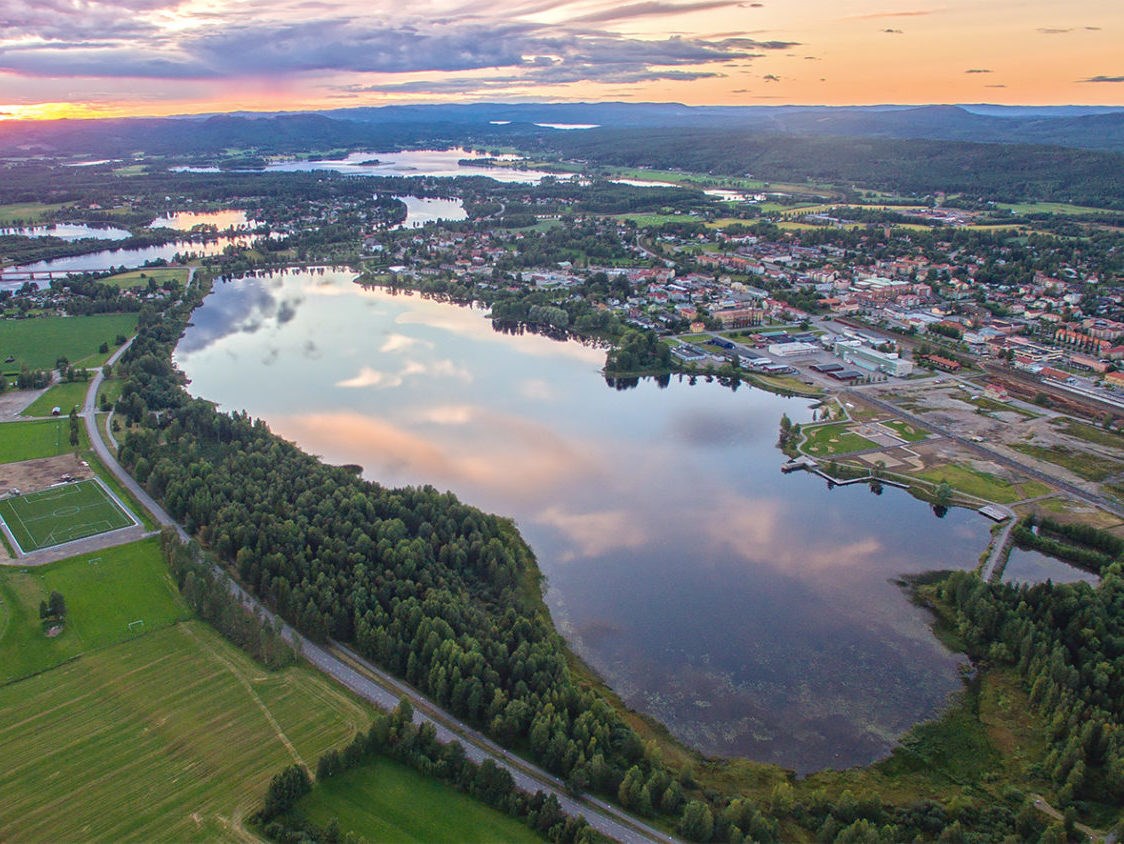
(62, 514)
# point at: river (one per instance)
(752, 612)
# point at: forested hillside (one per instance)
(1010, 172)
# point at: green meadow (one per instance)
(386, 801)
(171, 737)
(37, 343)
(104, 592)
(42, 438)
(63, 396)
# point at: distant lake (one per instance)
(420, 211)
(69, 232)
(185, 221)
(752, 612)
(130, 258)
(644, 183)
(428, 162)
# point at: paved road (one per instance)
(375, 685)
(109, 459)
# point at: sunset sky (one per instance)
(86, 58)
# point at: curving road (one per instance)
(371, 683)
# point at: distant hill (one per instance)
(1024, 153)
(1069, 126)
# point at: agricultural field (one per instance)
(105, 592)
(62, 514)
(37, 343)
(43, 438)
(63, 396)
(824, 440)
(171, 737)
(386, 801)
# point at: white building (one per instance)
(872, 360)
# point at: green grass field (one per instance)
(983, 484)
(139, 278)
(43, 438)
(28, 212)
(62, 514)
(104, 592)
(38, 343)
(63, 396)
(833, 439)
(906, 431)
(1052, 208)
(386, 801)
(173, 736)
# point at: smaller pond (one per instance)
(420, 211)
(68, 232)
(1026, 566)
(185, 221)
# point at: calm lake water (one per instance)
(131, 258)
(185, 221)
(420, 211)
(753, 613)
(426, 162)
(1028, 566)
(69, 232)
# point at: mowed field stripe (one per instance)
(157, 738)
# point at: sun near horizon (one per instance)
(169, 57)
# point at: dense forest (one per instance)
(917, 167)
(1067, 642)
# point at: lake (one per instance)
(754, 613)
(422, 210)
(69, 232)
(426, 162)
(130, 258)
(185, 221)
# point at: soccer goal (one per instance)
(136, 626)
